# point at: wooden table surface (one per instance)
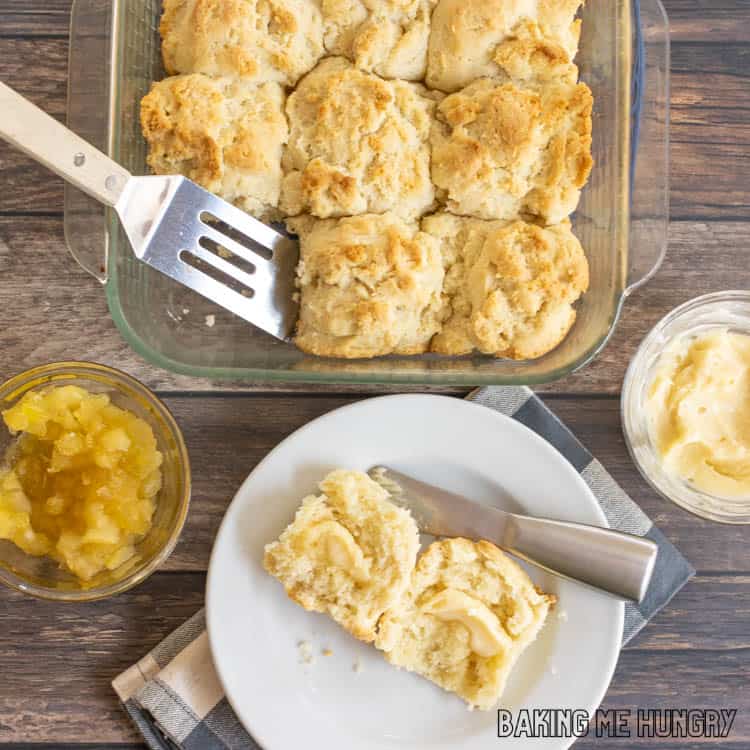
(56, 662)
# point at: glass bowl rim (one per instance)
(660, 481)
(44, 374)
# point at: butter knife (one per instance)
(611, 561)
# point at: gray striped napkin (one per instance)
(173, 694)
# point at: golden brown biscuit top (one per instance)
(387, 37)
(263, 40)
(358, 144)
(501, 150)
(512, 143)
(224, 133)
(472, 39)
(510, 286)
(370, 285)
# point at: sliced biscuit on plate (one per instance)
(349, 552)
(467, 616)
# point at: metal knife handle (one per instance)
(50, 143)
(620, 564)
(614, 562)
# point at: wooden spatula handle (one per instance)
(50, 143)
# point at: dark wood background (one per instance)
(56, 662)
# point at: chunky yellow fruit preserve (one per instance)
(80, 483)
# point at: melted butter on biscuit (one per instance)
(451, 605)
(699, 411)
(335, 544)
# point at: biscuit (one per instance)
(349, 552)
(474, 39)
(509, 287)
(387, 37)
(261, 40)
(358, 144)
(226, 134)
(500, 151)
(370, 286)
(464, 620)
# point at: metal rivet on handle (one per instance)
(79, 159)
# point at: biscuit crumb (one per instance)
(327, 652)
(357, 666)
(186, 311)
(306, 655)
(210, 321)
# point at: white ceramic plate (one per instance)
(255, 630)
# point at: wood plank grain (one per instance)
(711, 613)
(26, 186)
(65, 313)
(52, 310)
(56, 688)
(60, 689)
(711, 122)
(708, 21)
(710, 130)
(34, 18)
(661, 680)
(38, 69)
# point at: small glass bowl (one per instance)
(43, 577)
(722, 310)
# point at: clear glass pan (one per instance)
(622, 219)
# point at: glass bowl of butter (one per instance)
(94, 482)
(686, 407)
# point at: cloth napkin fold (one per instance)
(174, 696)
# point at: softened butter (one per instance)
(699, 411)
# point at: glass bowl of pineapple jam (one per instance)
(94, 482)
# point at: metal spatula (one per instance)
(174, 225)
(614, 562)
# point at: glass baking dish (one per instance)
(622, 219)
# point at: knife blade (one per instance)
(616, 563)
